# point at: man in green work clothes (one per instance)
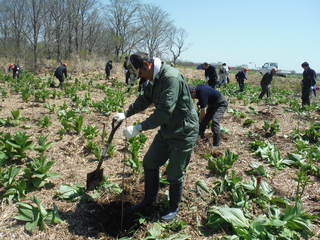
(175, 114)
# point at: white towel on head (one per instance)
(157, 66)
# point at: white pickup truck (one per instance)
(269, 65)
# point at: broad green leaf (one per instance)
(201, 185)
(232, 215)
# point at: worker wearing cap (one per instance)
(212, 107)
(210, 74)
(15, 70)
(308, 82)
(59, 72)
(266, 83)
(241, 76)
(175, 114)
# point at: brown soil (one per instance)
(109, 216)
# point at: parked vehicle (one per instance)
(269, 65)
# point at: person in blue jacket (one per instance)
(308, 82)
(241, 76)
(213, 105)
(15, 70)
(174, 114)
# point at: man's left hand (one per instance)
(131, 131)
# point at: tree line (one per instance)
(59, 29)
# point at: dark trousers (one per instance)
(305, 97)
(127, 77)
(214, 112)
(264, 90)
(241, 84)
(212, 83)
(60, 78)
(107, 73)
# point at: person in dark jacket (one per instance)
(266, 83)
(108, 69)
(15, 70)
(210, 74)
(127, 72)
(308, 82)
(241, 76)
(167, 93)
(212, 107)
(59, 72)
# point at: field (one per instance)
(269, 132)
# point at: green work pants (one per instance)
(161, 150)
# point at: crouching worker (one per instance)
(59, 72)
(15, 70)
(175, 114)
(212, 106)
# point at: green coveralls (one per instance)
(175, 114)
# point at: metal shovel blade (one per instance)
(94, 178)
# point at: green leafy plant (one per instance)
(44, 122)
(221, 165)
(43, 145)
(50, 107)
(292, 224)
(16, 118)
(61, 132)
(36, 172)
(302, 181)
(135, 145)
(258, 169)
(78, 123)
(248, 122)
(16, 191)
(90, 132)
(70, 193)
(36, 215)
(20, 144)
(273, 128)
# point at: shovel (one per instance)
(94, 178)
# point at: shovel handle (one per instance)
(114, 129)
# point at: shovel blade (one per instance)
(93, 179)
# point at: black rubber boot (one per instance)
(216, 140)
(175, 195)
(151, 188)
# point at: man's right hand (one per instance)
(119, 117)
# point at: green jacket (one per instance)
(174, 110)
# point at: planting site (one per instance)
(51, 138)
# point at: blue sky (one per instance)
(239, 32)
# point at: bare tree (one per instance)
(81, 14)
(13, 25)
(121, 16)
(58, 24)
(35, 11)
(176, 43)
(156, 25)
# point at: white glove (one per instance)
(119, 117)
(269, 86)
(132, 131)
(207, 78)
